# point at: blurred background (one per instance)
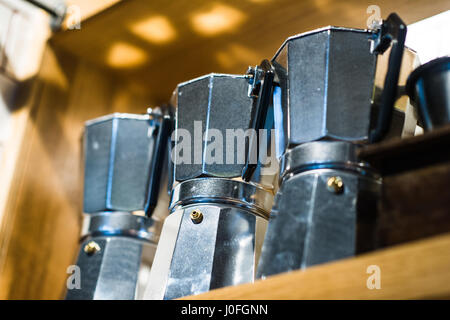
(124, 56)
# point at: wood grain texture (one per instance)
(394, 156)
(42, 212)
(418, 270)
(263, 28)
(413, 205)
(415, 170)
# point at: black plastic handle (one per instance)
(393, 30)
(262, 105)
(159, 155)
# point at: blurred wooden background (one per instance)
(129, 55)
(174, 41)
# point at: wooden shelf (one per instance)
(413, 228)
(397, 155)
(417, 270)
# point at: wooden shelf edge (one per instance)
(417, 270)
(398, 155)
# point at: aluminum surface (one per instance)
(311, 222)
(310, 225)
(193, 258)
(112, 272)
(127, 244)
(217, 190)
(221, 249)
(118, 152)
(124, 159)
(218, 103)
(329, 154)
(122, 224)
(327, 81)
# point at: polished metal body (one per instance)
(214, 232)
(211, 190)
(206, 106)
(119, 237)
(327, 102)
(311, 223)
(325, 208)
(126, 246)
(221, 250)
(326, 78)
(118, 150)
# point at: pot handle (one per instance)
(392, 31)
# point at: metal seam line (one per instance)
(111, 161)
(210, 85)
(309, 222)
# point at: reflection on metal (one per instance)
(329, 74)
(196, 216)
(207, 107)
(311, 225)
(217, 190)
(111, 255)
(220, 251)
(213, 234)
(121, 178)
(118, 150)
(335, 184)
(326, 93)
(326, 107)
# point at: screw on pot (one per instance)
(335, 184)
(196, 216)
(91, 248)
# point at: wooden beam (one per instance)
(397, 155)
(418, 270)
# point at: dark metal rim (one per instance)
(122, 224)
(436, 65)
(244, 195)
(148, 237)
(337, 155)
(351, 168)
(261, 212)
(323, 29)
